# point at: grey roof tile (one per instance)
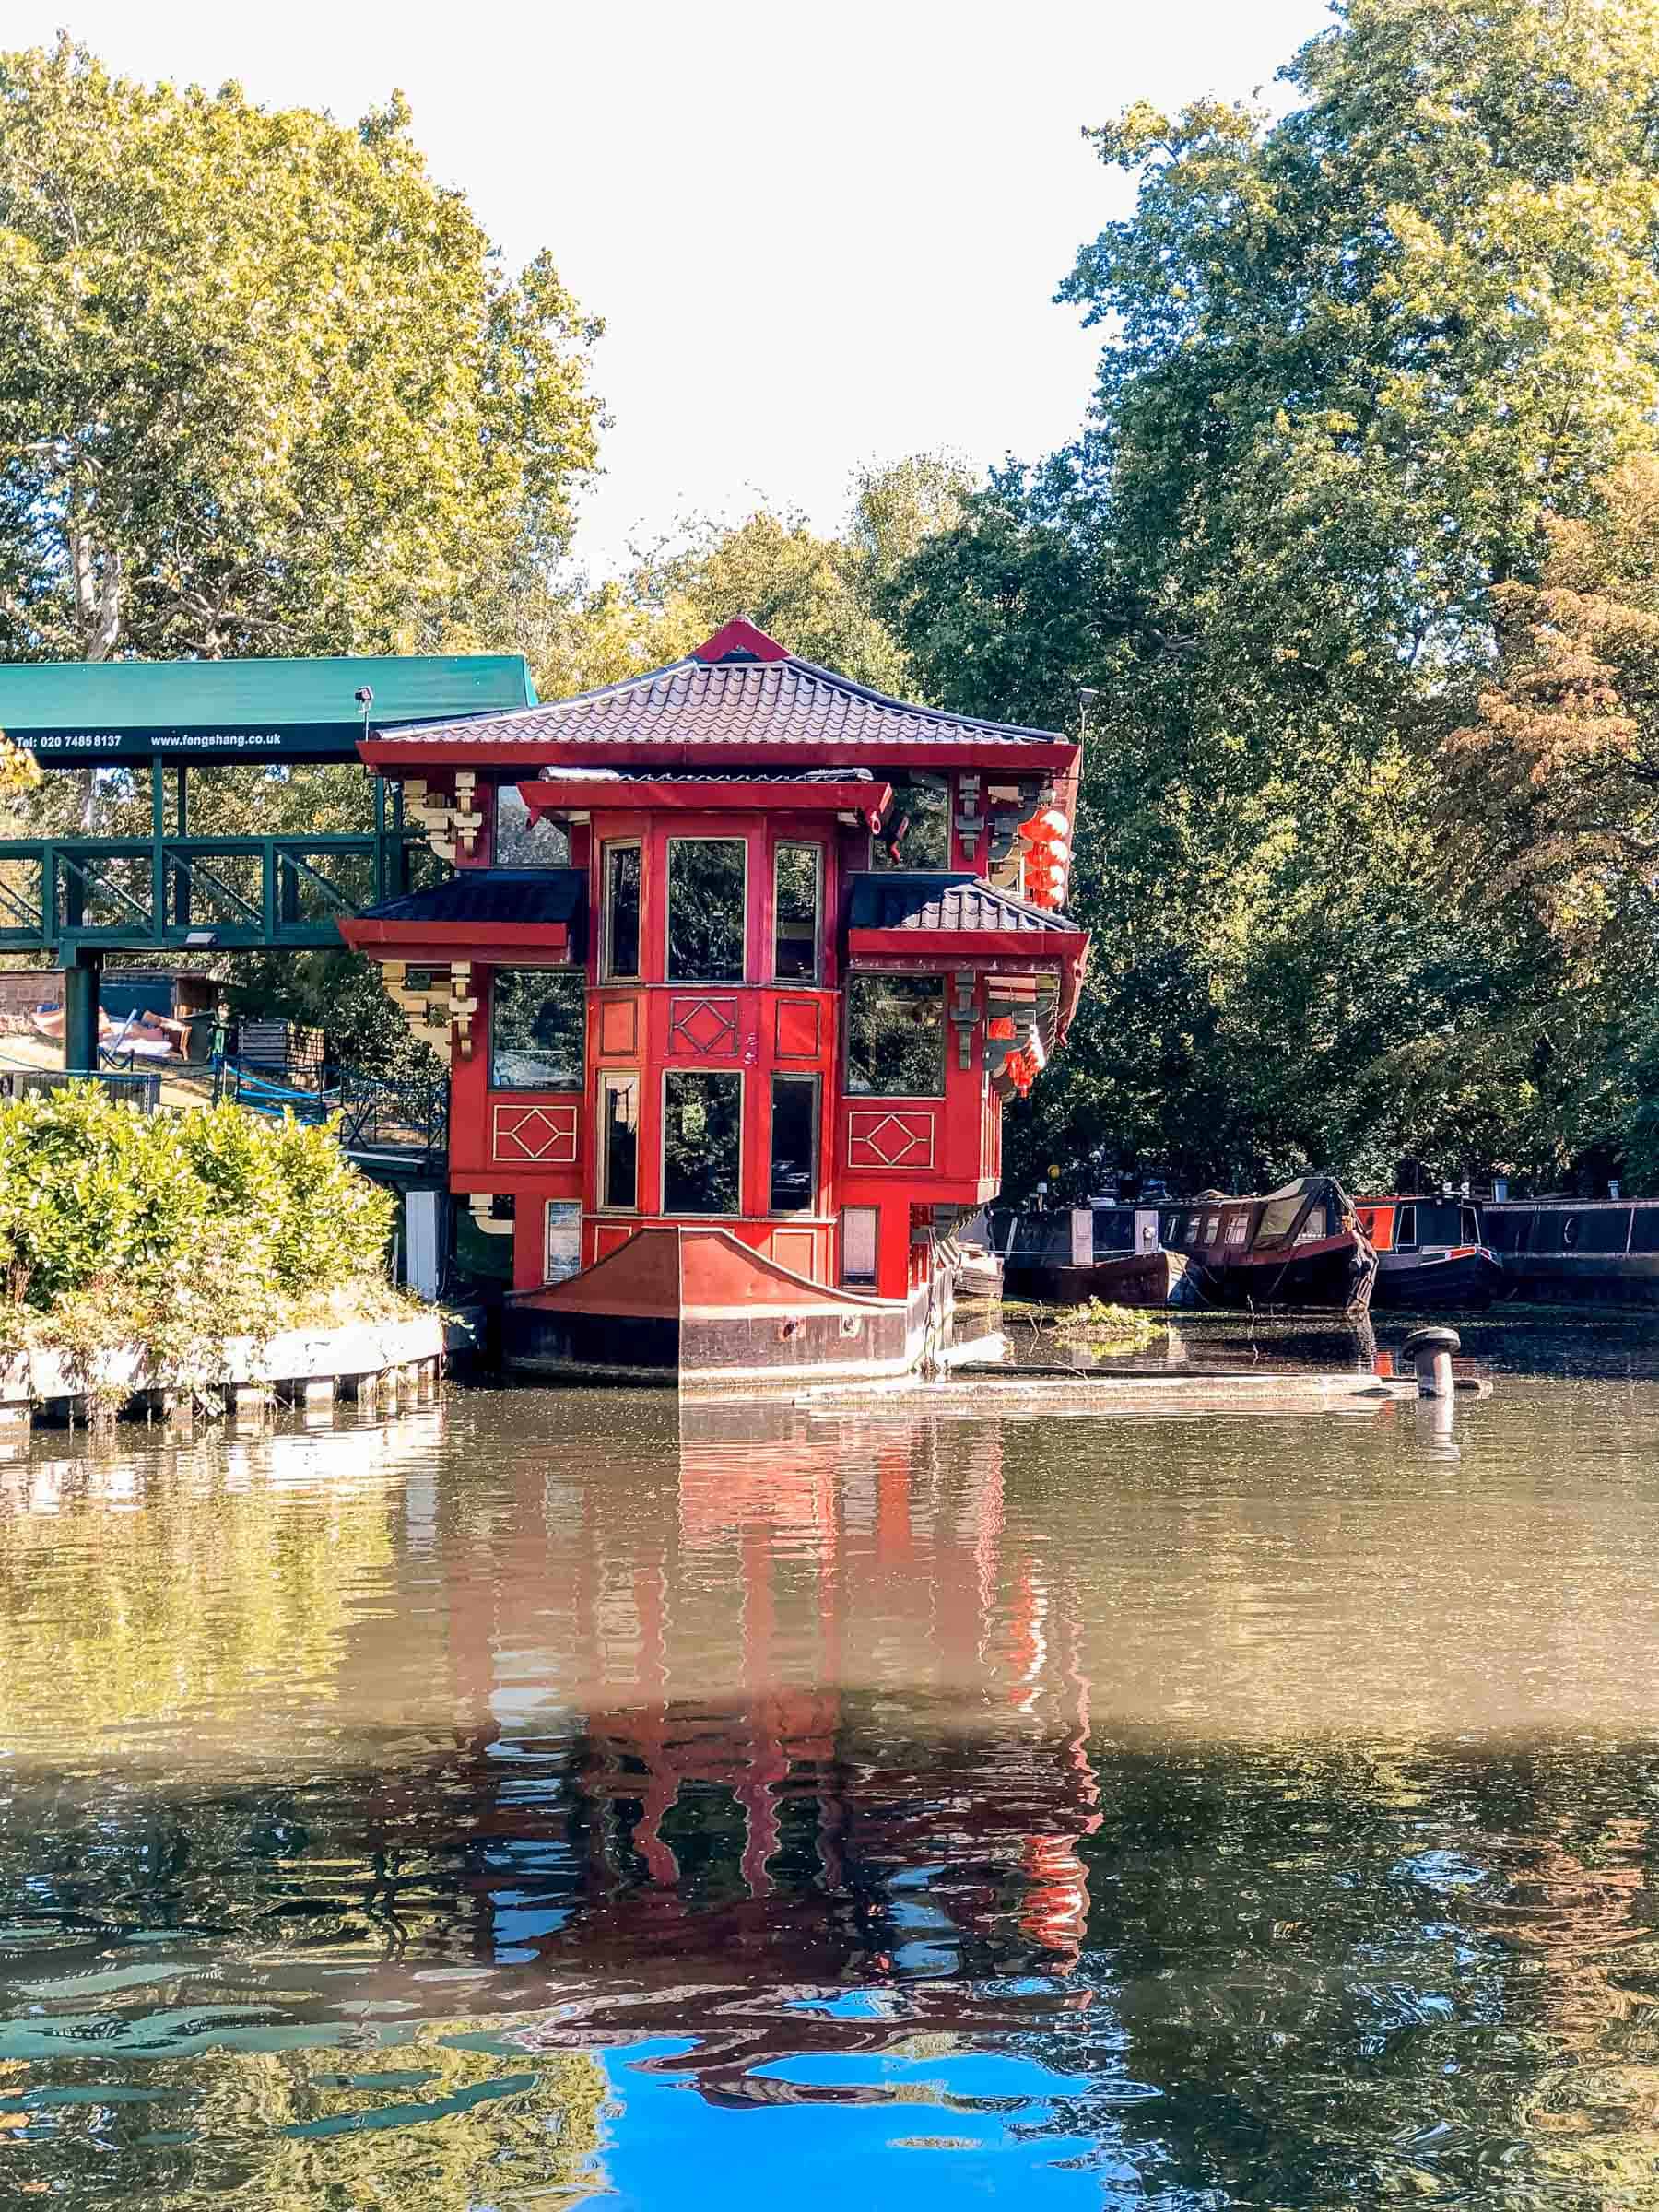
(766, 704)
(914, 899)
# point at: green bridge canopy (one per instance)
(74, 713)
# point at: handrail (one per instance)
(73, 875)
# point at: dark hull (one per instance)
(1605, 1250)
(1129, 1279)
(590, 1347)
(1334, 1277)
(1623, 1279)
(1412, 1283)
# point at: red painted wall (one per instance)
(902, 1156)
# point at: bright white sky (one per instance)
(819, 235)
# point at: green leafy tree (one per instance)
(1358, 358)
(263, 387)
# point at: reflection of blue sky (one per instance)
(863, 2130)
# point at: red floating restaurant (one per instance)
(736, 966)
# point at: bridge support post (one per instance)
(81, 972)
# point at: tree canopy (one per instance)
(1359, 360)
(264, 387)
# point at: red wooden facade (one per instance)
(847, 908)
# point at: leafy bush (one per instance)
(172, 1230)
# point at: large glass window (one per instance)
(537, 1030)
(706, 879)
(896, 1036)
(702, 1132)
(522, 843)
(621, 912)
(619, 1141)
(797, 904)
(793, 1144)
(918, 823)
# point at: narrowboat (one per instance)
(1069, 1253)
(1600, 1248)
(1299, 1246)
(1430, 1251)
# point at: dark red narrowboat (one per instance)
(1299, 1246)
(1430, 1251)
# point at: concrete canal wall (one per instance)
(372, 1362)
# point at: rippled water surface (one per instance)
(555, 1793)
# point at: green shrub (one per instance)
(174, 1230)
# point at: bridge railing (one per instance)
(141, 1091)
(140, 892)
(374, 1113)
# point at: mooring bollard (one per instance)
(1430, 1352)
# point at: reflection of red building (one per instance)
(882, 1783)
(736, 1045)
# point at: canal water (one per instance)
(554, 1793)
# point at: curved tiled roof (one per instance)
(914, 899)
(768, 705)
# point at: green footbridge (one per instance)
(79, 898)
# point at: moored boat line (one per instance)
(1430, 1251)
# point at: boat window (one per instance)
(707, 877)
(1406, 1235)
(1237, 1228)
(1470, 1231)
(1114, 1231)
(1438, 1224)
(795, 1104)
(1194, 1223)
(522, 843)
(619, 1140)
(920, 820)
(622, 949)
(537, 1030)
(797, 900)
(1279, 1217)
(1212, 1229)
(702, 1132)
(896, 1036)
(858, 1226)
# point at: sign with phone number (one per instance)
(307, 741)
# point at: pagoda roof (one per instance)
(928, 903)
(741, 696)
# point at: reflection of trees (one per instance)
(823, 1736)
(895, 1036)
(205, 1594)
(449, 2113)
